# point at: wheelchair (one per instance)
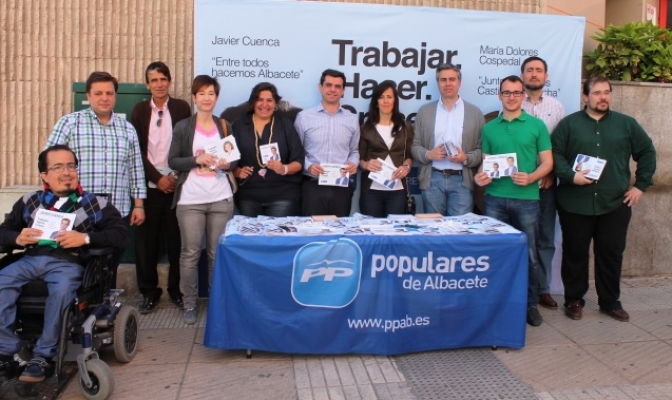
(94, 320)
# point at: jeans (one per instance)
(608, 233)
(381, 203)
(279, 208)
(546, 239)
(196, 221)
(447, 196)
(524, 216)
(63, 278)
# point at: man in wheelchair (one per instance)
(58, 261)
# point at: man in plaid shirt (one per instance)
(108, 149)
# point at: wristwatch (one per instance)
(87, 239)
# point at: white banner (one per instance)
(290, 43)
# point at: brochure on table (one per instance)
(360, 224)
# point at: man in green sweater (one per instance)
(598, 210)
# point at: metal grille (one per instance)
(461, 374)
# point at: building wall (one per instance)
(593, 10)
(46, 45)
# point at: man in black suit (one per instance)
(154, 120)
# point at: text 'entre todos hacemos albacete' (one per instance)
(431, 272)
(247, 67)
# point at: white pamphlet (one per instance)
(52, 222)
(334, 175)
(500, 165)
(226, 148)
(384, 176)
(269, 152)
(594, 164)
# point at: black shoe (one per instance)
(177, 300)
(5, 364)
(533, 316)
(37, 370)
(149, 303)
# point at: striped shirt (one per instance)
(547, 109)
(328, 138)
(109, 155)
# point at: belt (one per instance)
(448, 171)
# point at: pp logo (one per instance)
(327, 274)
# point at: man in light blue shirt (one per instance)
(448, 125)
(330, 134)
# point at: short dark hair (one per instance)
(533, 58)
(256, 91)
(510, 78)
(590, 82)
(158, 66)
(100, 76)
(495, 164)
(332, 73)
(448, 67)
(202, 81)
(42, 158)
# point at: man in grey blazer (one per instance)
(447, 181)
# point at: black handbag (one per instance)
(410, 201)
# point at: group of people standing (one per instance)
(158, 162)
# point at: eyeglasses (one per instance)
(509, 94)
(158, 121)
(58, 168)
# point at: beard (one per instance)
(531, 86)
(596, 110)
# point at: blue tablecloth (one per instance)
(368, 294)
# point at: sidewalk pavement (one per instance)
(595, 358)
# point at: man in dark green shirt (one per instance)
(598, 210)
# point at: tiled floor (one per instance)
(595, 358)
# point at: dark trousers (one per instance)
(381, 203)
(325, 200)
(608, 233)
(159, 218)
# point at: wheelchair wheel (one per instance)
(102, 378)
(126, 334)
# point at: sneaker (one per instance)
(533, 316)
(190, 316)
(37, 370)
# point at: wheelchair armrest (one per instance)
(101, 251)
(9, 249)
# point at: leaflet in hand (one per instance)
(226, 148)
(52, 222)
(594, 164)
(450, 148)
(384, 176)
(334, 175)
(269, 152)
(500, 165)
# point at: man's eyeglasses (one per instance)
(58, 168)
(514, 94)
(158, 121)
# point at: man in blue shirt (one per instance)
(330, 134)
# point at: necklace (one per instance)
(257, 135)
